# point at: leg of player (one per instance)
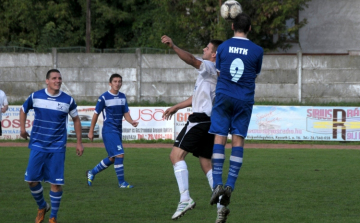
(177, 157)
(218, 159)
(55, 198)
(236, 160)
(119, 169)
(105, 163)
(37, 193)
(222, 211)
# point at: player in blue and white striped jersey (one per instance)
(48, 141)
(114, 107)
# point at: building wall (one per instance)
(155, 78)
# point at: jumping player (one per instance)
(194, 137)
(238, 62)
(114, 107)
(48, 141)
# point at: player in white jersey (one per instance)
(3, 106)
(113, 105)
(48, 141)
(194, 137)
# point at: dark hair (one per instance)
(50, 71)
(215, 43)
(242, 23)
(113, 76)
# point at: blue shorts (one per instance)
(48, 167)
(230, 115)
(113, 144)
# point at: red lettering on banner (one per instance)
(148, 115)
(182, 117)
(16, 123)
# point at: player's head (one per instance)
(114, 76)
(209, 52)
(53, 81)
(115, 83)
(242, 23)
(51, 71)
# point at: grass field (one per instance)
(273, 186)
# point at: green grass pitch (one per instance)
(284, 185)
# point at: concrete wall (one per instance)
(155, 78)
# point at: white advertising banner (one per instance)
(267, 123)
(151, 124)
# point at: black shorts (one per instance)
(195, 137)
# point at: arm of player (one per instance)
(77, 127)
(23, 132)
(92, 126)
(185, 56)
(170, 111)
(130, 120)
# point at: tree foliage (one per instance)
(42, 24)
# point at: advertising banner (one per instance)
(304, 123)
(267, 123)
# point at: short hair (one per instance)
(113, 76)
(50, 71)
(215, 43)
(242, 23)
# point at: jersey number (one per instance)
(236, 69)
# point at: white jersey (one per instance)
(205, 86)
(3, 101)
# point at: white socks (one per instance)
(182, 178)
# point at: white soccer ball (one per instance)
(230, 9)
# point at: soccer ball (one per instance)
(230, 9)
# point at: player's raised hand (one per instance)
(167, 40)
(169, 113)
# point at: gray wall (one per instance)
(166, 78)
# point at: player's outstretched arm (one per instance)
(185, 56)
(92, 126)
(23, 132)
(77, 127)
(130, 120)
(171, 111)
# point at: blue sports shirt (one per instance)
(113, 108)
(239, 62)
(49, 131)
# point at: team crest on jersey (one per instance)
(119, 147)
(60, 107)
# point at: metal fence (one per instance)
(16, 49)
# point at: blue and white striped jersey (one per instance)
(113, 108)
(49, 131)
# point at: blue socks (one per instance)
(217, 160)
(236, 160)
(37, 193)
(105, 163)
(119, 169)
(55, 198)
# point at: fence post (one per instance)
(299, 57)
(138, 74)
(54, 56)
